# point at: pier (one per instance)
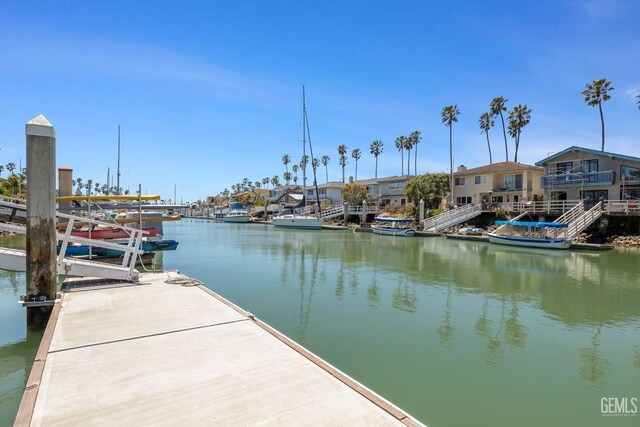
(169, 351)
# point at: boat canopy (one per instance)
(534, 224)
(237, 206)
(392, 219)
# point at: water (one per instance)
(456, 333)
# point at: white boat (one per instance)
(238, 213)
(393, 231)
(530, 234)
(289, 219)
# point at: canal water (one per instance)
(455, 332)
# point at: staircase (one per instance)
(580, 223)
(15, 259)
(452, 217)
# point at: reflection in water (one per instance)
(516, 333)
(591, 365)
(404, 297)
(483, 323)
(446, 329)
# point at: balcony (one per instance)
(502, 187)
(587, 179)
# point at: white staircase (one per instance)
(580, 223)
(15, 259)
(452, 217)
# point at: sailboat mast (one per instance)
(304, 147)
(118, 173)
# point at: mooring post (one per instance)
(65, 187)
(421, 213)
(345, 212)
(363, 218)
(41, 218)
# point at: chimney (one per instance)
(462, 168)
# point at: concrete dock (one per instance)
(169, 351)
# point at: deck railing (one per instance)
(625, 207)
(546, 206)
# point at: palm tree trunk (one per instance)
(343, 174)
(451, 160)
(415, 160)
(402, 161)
(376, 167)
(489, 146)
(408, 162)
(356, 169)
(517, 138)
(601, 121)
(504, 132)
(326, 171)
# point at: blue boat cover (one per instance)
(534, 224)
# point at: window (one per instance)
(629, 173)
(463, 200)
(513, 182)
(564, 167)
(403, 202)
(322, 191)
(481, 179)
(309, 192)
(396, 185)
(590, 165)
(591, 197)
(459, 181)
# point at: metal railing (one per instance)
(452, 217)
(626, 207)
(547, 206)
(577, 225)
(572, 179)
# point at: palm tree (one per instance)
(286, 160)
(496, 107)
(79, 182)
(294, 168)
(11, 167)
(518, 119)
(376, 149)
(1, 169)
(449, 117)
(342, 151)
(287, 177)
(594, 94)
(303, 165)
(314, 164)
(356, 154)
(265, 181)
(275, 181)
(486, 122)
(408, 145)
(325, 163)
(400, 147)
(415, 138)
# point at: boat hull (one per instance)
(294, 221)
(529, 243)
(110, 233)
(394, 231)
(237, 218)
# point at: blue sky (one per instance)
(208, 93)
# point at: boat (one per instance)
(292, 220)
(387, 218)
(289, 218)
(159, 245)
(238, 213)
(471, 230)
(393, 231)
(530, 234)
(108, 233)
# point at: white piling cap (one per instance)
(40, 126)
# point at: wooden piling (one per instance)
(41, 215)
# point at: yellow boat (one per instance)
(128, 197)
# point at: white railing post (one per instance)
(65, 244)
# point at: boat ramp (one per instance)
(169, 351)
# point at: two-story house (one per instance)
(385, 191)
(501, 182)
(579, 173)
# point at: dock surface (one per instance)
(159, 353)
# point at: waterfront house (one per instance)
(579, 173)
(384, 191)
(497, 183)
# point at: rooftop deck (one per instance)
(157, 353)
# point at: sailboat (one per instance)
(296, 220)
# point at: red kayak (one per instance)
(110, 233)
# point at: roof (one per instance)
(498, 168)
(590, 151)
